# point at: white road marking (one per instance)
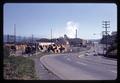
(81, 63)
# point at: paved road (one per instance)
(80, 67)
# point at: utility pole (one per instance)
(15, 37)
(33, 44)
(15, 34)
(36, 48)
(105, 33)
(51, 36)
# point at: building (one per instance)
(45, 43)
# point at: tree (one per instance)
(112, 50)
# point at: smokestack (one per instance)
(76, 33)
(51, 35)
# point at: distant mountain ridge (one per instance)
(18, 38)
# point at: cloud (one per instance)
(71, 28)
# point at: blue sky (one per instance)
(63, 18)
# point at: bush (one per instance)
(6, 50)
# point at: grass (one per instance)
(17, 67)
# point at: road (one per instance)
(80, 67)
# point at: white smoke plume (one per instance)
(71, 29)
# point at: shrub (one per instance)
(6, 50)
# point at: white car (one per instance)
(86, 54)
(81, 55)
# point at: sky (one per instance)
(38, 19)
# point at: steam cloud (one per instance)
(71, 29)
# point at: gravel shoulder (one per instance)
(42, 72)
